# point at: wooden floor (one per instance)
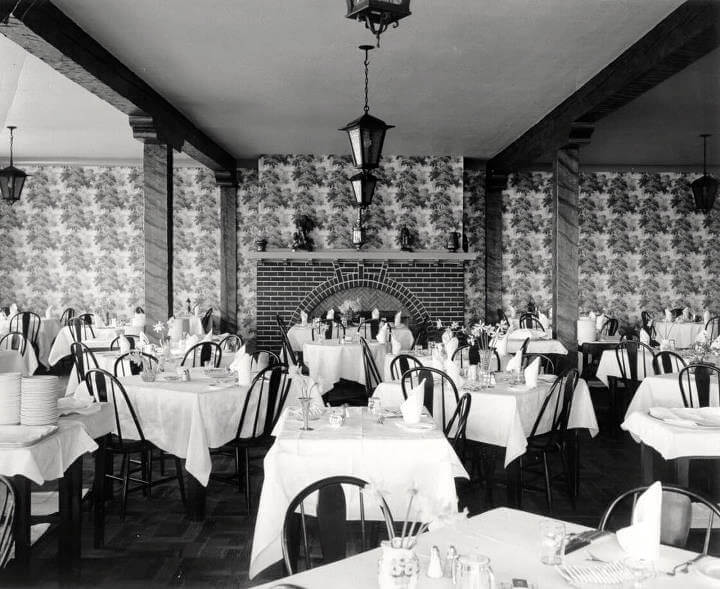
(157, 546)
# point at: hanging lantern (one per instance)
(363, 186)
(378, 15)
(12, 179)
(367, 133)
(705, 188)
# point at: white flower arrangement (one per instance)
(704, 346)
(350, 305)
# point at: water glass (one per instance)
(474, 572)
(305, 405)
(640, 570)
(552, 541)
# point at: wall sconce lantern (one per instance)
(704, 188)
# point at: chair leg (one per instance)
(566, 474)
(125, 473)
(237, 469)
(247, 479)
(548, 486)
(144, 472)
(181, 480)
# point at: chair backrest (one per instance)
(558, 401)
(329, 497)
(676, 515)
(105, 388)
(67, 314)
(132, 339)
(368, 328)
(83, 358)
(79, 330)
(635, 360)
(697, 382)
(420, 336)
(547, 366)
(667, 362)
(87, 318)
(530, 321)
(231, 343)
(610, 326)
(372, 374)
(467, 355)
(261, 359)
(7, 519)
(131, 363)
(401, 364)
(292, 359)
(27, 323)
(457, 424)
(501, 316)
(264, 402)
(713, 328)
(334, 329)
(435, 381)
(207, 320)
(203, 352)
(14, 340)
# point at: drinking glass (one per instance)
(474, 572)
(305, 405)
(640, 570)
(552, 541)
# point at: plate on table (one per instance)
(215, 372)
(710, 567)
(546, 378)
(171, 378)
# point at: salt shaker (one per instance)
(450, 563)
(434, 570)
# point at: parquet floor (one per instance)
(157, 546)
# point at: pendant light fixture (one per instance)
(378, 15)
(704, 188)
(12, 179)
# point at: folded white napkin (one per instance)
(49, 312)
(99, 319)
(544, 321)
(600, 321)
(303, 318)
(13, 309)
(531, 373)
(138, 320)
(501, 345)
(124, 344)
(451, 346)
(437, 359)
(375, 313)
(511, 312)
(438, 324)
(446, 336)
(453, 371)
(396, 345)
(515, 362)
(196, 310)
(190, 341)
(241, 366)
(644, 337)
(208, 337)
(706, 316)
(592, 315)
(668, 315)
(641, 539)
(398, 319)
(382, 334)
(687, 314)
(144, 341)
(411, 408)
(330, 314)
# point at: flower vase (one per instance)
(474, 355)
(398, 568)
(664, 344)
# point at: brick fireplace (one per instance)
(424, 285)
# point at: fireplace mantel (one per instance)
(419, 256)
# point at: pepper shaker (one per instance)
(435, 570)
(450, 563)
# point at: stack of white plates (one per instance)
(10, 398)
(38, 404)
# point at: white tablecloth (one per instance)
(47, 331)
(184, 324)
(423, 356)
(96, 424)
(48, 459)
(390, 457)
(608, 365)
(299, 335)
(536, 346)
(61, 348)
(662, 390)
(329, 361)
(510, 538)
(505, 417)
(684, 334)
(14, 361)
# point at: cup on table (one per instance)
(474, 572)
(552, 541)
(640, 570)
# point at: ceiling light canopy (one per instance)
(378, 15)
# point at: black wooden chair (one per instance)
(132, 339)
(79, 330)
(648, 327)
(207, 321)
(201, 353)
(67, 314)
(128, 365)
(291, 357)
(261, 408)
(610, 327)
(105, 388)
(555, 409)
(401, 363)
(334, 329)
(14, 340)
(231, 343)
(27, 323)
(261, 359)
(676, 515)
(547, 366)
(329, 526)
(372, 373)
(697, 381)
(713, 328)
(368, 328)
(635, 362)
(667, 362)
(7, 519)
(466, 356)
(83, 359)
(435, 382)
(455, 428)
(87, 318)
(530, 321)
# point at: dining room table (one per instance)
(681, 334)
(330, 360)
(102, 340)
(511, 540)
(47, 332)
(14, 361)
(393, 457)
(541, 342)
(609, 367)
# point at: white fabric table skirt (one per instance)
(61, 348)
(14, 361)
(504, 416)
(537, 346)
(391, 458)
(47, 331)
(48, 459)
(329, 361)
(299, 335)
(662, 390)
(510, 538)
(672, 441)
(684, 334)
(608, 365)
(97, 424)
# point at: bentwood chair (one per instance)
(79, 330)
(328, 530)
(7, 519)
(401, 364)
(261, 410)
(201, 353)
(436, 382)
(697, 383)
(27, 323)
(261, 359)
(127, 441)
(292, 357)
(555, 410)
(207, 321)
(334, 329)
(131, 364)
(457, 424)
(87, 318)
(635, 362)
(132, 339)
(231, 343)
(610, 327)
(465, 355)
(713, 328)
(368, 328)
(14, 341)
(547, 366)
(667, 362)
(67, 314)
(83, 359)
(530, 321)
(676, 515)
(372, 373)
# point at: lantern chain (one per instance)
(367, 63)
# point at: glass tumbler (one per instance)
(474, 572)
(552, 541)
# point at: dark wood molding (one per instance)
(685, 35)
(227, 183)
(495, 183)
(44, 31)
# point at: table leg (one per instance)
(715, 480)
(195, 497)
(99, 494)
(585, 357)
(514, 484)
(682, 472)
(647, 455)
(70, 495)
(573, 446)
(21, 532)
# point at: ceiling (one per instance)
(280, 76)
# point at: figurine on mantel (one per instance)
(405, 239)
(304, 224)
